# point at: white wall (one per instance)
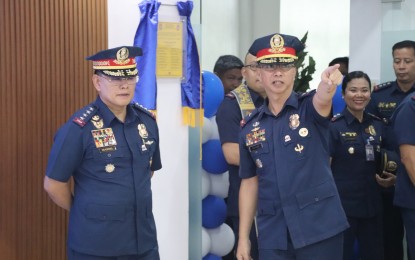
(230, 27)
(170, 184)
(365, 37)
(398, 24)
(327, 23)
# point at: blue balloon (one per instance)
(213, 160)
(212, 257)
(213, 93)
(213, 211)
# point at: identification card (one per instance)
(370, 152)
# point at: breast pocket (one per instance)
(298, 143)
(106, 165)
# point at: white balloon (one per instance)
(219, 184)
(222, 240)
(205, 242)
(206, 183)
(206, 130)
(215, 132)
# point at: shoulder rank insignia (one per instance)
(230, 95)
(382, 86)
(84, 115)
(305, 94)
(248, 117)
(374, 117)
(336, 117)
(145, 110)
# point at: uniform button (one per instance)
(109, 155)
(104, 217)
(316, 199)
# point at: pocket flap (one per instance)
(316, 194)
(105, 212)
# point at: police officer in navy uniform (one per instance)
(284, 163)
(384, 100)
(404, 129)
(355, 151)
(236, 105)
(110, 148)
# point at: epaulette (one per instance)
(230, 95)
(305, 94)
(145, 110)
(382, 86)
(248, 118)
(83, 116)
(336, 117)
(374, 116)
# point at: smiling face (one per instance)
(116, 93)
(357, 95)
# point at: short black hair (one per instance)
(227, 62)
(354, 75)
(344, 60)
(403, 44)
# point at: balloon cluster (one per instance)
(217, 237)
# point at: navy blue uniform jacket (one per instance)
(289, 154)
(111, 213)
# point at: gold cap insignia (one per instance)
(122, 55)
(277, 44)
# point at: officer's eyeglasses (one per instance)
(273, 66)
(253, 67)
(118, 82)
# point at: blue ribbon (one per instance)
(191, 96)
(146, 38)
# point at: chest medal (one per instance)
(104, 139)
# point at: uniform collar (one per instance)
(396, 87)
(107, 114)
(350, 118)
(292, 101)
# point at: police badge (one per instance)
(142, 131)
(294, 121)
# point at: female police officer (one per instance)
(355, 142)
(110, 148)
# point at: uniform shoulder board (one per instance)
(374, 117)
(83, 116)
(306, 94)
(382, 86)
(249, 117)
(143, 109)
(230, 95)
(336, 117)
